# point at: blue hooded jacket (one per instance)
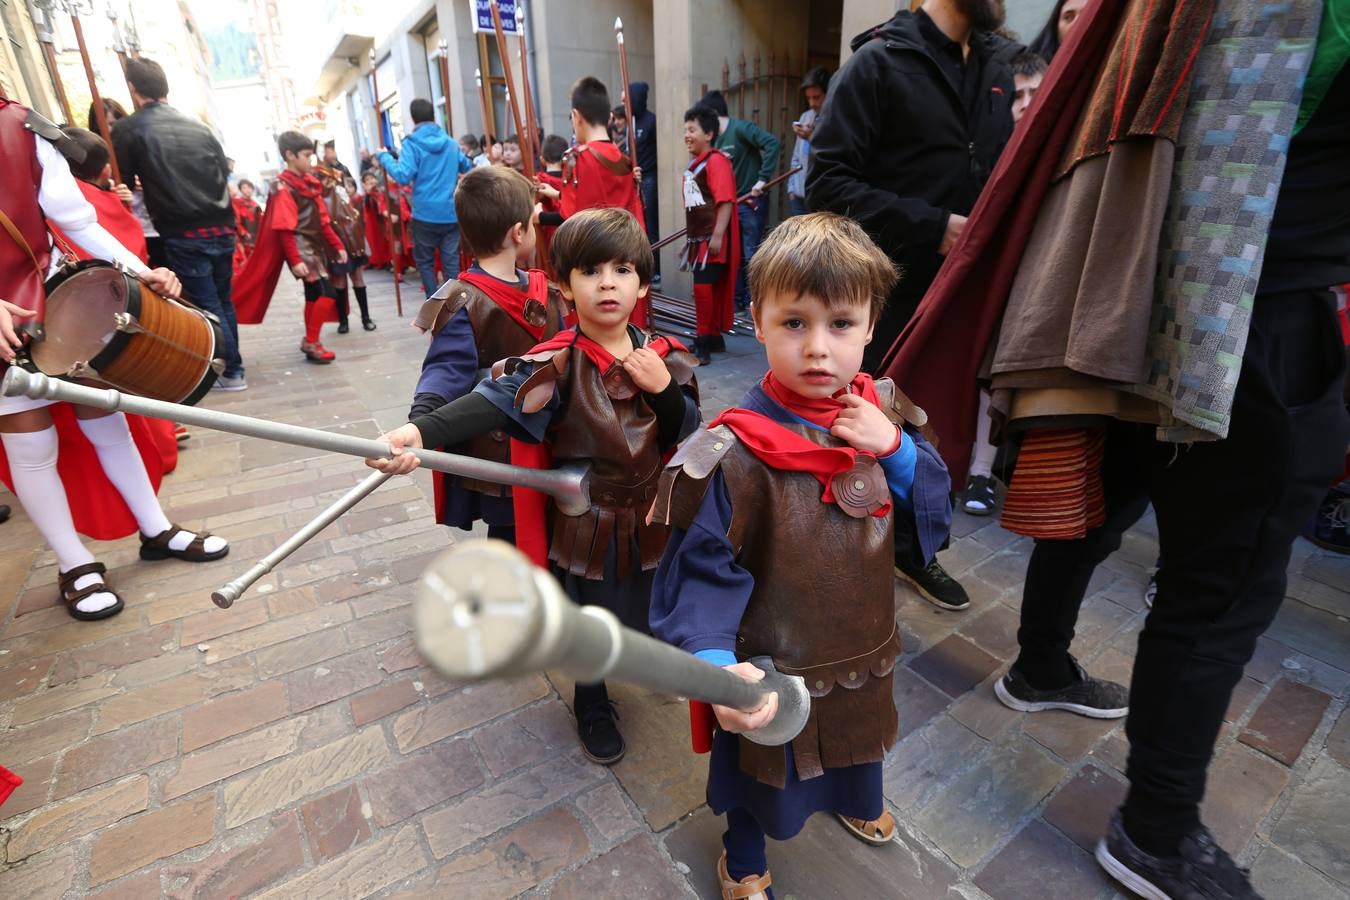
(432, 161)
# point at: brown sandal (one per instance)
(73, 595)
(751, 887)
(876, 831)
(157, 547)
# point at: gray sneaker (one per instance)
(1203, 871)
(1087, 696)
(230, 383)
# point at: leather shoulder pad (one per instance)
(903, 411)
(681, 366)
(536, 390)
(557, 301)
(48, 130)
(685, 479)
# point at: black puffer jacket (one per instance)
(181, 166)
(895, 150)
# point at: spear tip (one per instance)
(618, 24)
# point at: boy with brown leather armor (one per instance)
(782, 546)
(600, 394)
(491, 311)
(296, 232)
(348, 225)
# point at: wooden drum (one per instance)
(103, 323)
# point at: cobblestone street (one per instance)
(295, 745)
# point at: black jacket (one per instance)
(644, 125)
(181, 166)
(895, 150)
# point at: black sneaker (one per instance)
(598, 728)
(1331, 528)
(981, 499)
(1203, 871)
(1151, 589)
(934, 585)
(1087, 696)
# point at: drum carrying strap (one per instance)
(31, 326)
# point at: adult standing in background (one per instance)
(912, 126)
(643, 131)
(754, 157)
(433, 162)
(1057, 27)
(184, 178)
(814, 85)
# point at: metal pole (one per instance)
(384, 186)
(569, 487)
(772, 182)
(230, 592)
(484, 611)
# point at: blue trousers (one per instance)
(205, 266)
(428, 237)
(751, 221)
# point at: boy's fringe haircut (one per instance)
(489, 201)
(596, 236)
(827, 256)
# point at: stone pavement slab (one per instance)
(296, 745)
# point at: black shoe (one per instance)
(1331, 528)
(935, 585)
(981, 499)
(1203, 871)
(4, 513)
(717, 344)
(598, 728)
(1087, 696)
(367, 324)
(1151, 589)
(702, 352)
(343, 327)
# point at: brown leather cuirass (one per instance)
(497, 336)
(346, 222)
(309, 235)
(823, 604)
(605, 421)
(701, 221)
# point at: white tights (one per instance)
(985, 452)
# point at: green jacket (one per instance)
(753, 152)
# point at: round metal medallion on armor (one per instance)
(535, 313)
(618, 383)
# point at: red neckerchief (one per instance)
(304, 185)
(511, 298)
(781, 448)
(530, 506)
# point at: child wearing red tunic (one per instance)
(712, 246)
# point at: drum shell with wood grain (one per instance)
(102, 322)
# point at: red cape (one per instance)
(115, 218)
(938, 356)
(99, 512)
(376, 238)
(253, 285)
(594, 185)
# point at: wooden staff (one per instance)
(444, 49)
(772, 182)
(627, 100)
(533, 140)
(384, 186)
(483, 111)
(44, 36)
(100, 114)
(510, 85)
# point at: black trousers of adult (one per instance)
(1228, 512)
